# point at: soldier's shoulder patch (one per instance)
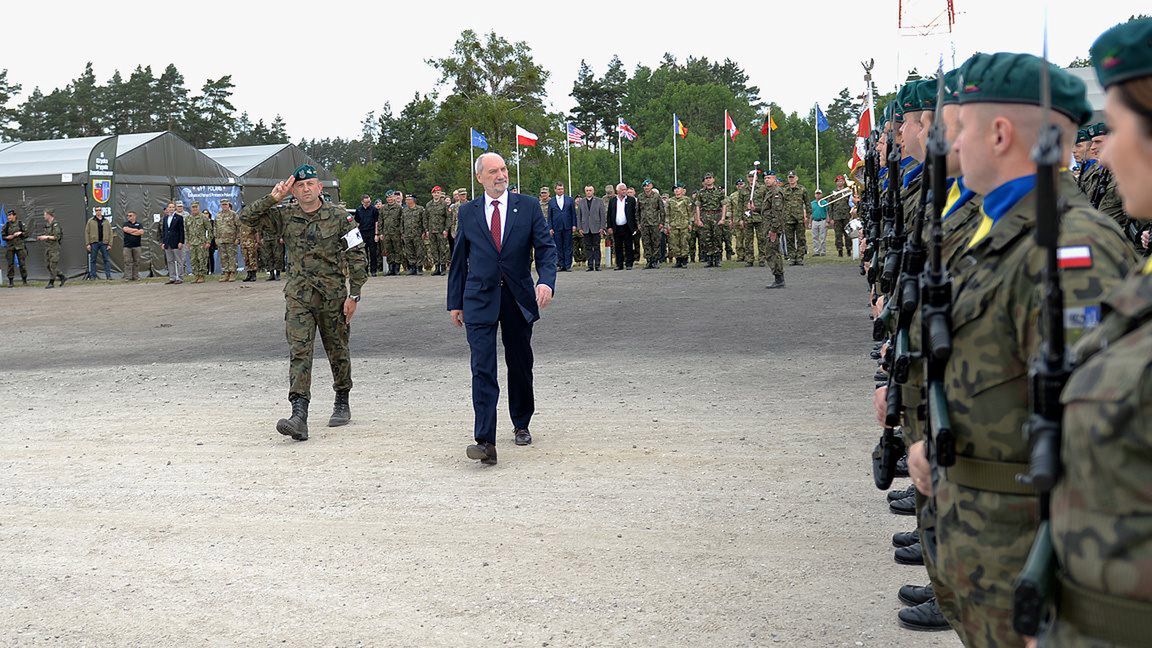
(1074, 256)
(1084, 317)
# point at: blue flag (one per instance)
(478, 140)
(821, 121)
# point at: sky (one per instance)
(323, 66)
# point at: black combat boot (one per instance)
(341, 413)
(411, 271)
(395, 269)
(51, 283)
(779, 283)
(62, 279)
(251, 276)
(925, 617)
(296, 426)
(271, 275)
(436, 270)
(277, 275)
(11, 284)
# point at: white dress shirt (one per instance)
(621, 216)
(503, 213)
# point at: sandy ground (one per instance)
(699, 476)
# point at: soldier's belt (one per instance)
(1104, 616)
(986, 475)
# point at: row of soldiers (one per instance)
(986, 260)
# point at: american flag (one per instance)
(575, 135)
(626, 130)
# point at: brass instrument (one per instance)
(836, 196)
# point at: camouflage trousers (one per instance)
(227, 257)
(251, 251)
(52, 260)
(578, 254)
(302, 318)
(842, 242)
(754, 233)
(13, 255)
(438, 248)
(650, 238)
(693, 243)
(773, 255)
(982, 541)
(392, 246)
(413, 251)
(726, 236)
(199, 258)
(678, 242)
(711, 236)
(271, 253)
(795, 234)
(741, 242)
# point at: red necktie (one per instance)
(496, 223)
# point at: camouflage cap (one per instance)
(709, 175)
(791, 174)
(226, 201)
(544, 189)
(462, 190)
(304, 172)
(1123, 53)
(195, 203)
(1014, 78)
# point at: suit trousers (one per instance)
(592, 249)
(371, 250)
(516, 334)
(175, 261)
(622, 246)
(563, 238)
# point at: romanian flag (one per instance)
(679, 126)
(769, 124)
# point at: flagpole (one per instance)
(568, 148)
(620, 149)
(472, 159)
(770, 122)
(675, 177)
(726, 134)
(816, 129)
(518, 163)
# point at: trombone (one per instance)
(836, 196)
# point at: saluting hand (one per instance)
(282, 188)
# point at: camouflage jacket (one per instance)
(795, 202)
(840, 211)
(1087, 179)
(249, 236)
(772, 209)
(436, 216)
(227, 227)
(710, 200)
(544, 211)
(414, 221)
(197, 229)
(649, 209)
(54, 230)
(12, 226)
(453, 218)
(390, 220)
(1100, 506)
(319, 258)
(680, 213)
(995, 318)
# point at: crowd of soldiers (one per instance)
(1012, 308)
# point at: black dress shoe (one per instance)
(523, 437)
(915, 594)
(902, 467)
(905, 539)
(911, 555)
(485, 453)
(901, 493)
(906, 506)
(925, 617)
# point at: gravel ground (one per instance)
(699, 476)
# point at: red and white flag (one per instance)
(525, 138)
(730, 126)
(1074, 256)
(863, 130)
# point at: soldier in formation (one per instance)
(651, 218)
(437, 224)
(796, 219)
(711, 215)
(414, 225)
(227, 239)
(391, 232)
(250, 246)
(198, 235)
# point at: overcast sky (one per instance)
(324, 65)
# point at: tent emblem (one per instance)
(101, 190)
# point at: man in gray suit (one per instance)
(591, 219)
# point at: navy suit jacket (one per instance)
(477, 269)
(172, 236)
(562, 216)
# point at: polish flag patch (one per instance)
(1075, 256)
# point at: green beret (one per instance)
(646, 183)
(304, 172)
(740, 182)
(770, 172)
(389, 193)
(512, 186)
(926, 94)
(1096, 130)
(1082, 136)
(908, 98)
(951, 87)
(1123, 53)
(1007, 77)
(678, 185)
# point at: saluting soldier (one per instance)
(328, 269)
(711, 210)
(51, 238)
(227, 239)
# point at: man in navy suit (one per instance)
(172, 240)
(562, 216)
(489, 286)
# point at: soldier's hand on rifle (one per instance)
(880, 404)
(283, 188)
(1144, 239)
(919, 469)
(207, 245)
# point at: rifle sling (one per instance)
(987, 475)
(1104, 616)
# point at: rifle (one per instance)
(894, 216)
(1033, 588)
(908, 286)
(1101, 187)
(870, 206)
(890, 447)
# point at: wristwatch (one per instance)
(355, 298)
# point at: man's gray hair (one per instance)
(479, 166)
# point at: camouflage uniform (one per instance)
(680, 226)
(414, 223)
(772, 213)
(392, 233)
(250, 246)
(710, 202)
(986, 520)
(52, 250)
(437, 222)
(227, 239)
(840, 212)
(795, 207)
(14, 250)
(197, 234)
(650, 216)
(271, 249)
(315, 292)
(1099, 521)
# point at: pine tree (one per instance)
(8, 115)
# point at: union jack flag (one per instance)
(626, 130)
(575, 135)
